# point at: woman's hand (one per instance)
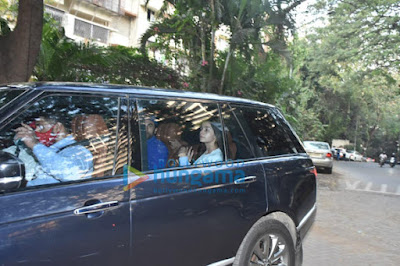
(186, 151)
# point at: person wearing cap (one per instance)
(157, 152)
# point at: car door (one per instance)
(80, 222)
(291, 184)
(195, 214)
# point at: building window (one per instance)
(90, 31)
(111, 5)
(56, 14)
(151, 15)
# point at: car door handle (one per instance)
(98, 207)
(246, 180)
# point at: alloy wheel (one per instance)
(270, 250)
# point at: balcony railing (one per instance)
(89, 31)
(112, 5)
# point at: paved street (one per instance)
(371, 177)
(358, 220)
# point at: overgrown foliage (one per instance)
(8, 13)
(349, 76)
(251, 29)
(62, 59)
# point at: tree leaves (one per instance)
(351, 71)
(61, 59)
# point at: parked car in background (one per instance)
(111, 198)
(369, 160)
(342, 154)
(321, 154)
(355, 156)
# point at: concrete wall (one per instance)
(340, 143)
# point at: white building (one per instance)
(106, 22)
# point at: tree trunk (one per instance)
(203, 57)
(212, 44)
(221, 86)
(19, 49)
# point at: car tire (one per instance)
(329, 170)
(268, 242)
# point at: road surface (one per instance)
(370, 177)
(358, 217)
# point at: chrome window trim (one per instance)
(136, 91)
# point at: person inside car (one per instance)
(211, 139)
(59, 156)
(171, 135)
(157, 152)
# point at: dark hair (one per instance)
(218, 133)
(217, 128)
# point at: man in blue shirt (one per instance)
(59, 158)
(157, 152)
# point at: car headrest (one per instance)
(88, 126)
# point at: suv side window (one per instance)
(285, 125)
(169, 127)
(64, 138)
(269, 138)
(237, 142)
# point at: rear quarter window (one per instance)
(269, 137)
(290, 132)
(7, 96)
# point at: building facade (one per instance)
(105, 22)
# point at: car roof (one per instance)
(133, 90)
(311, 141)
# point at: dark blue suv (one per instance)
(118, 175)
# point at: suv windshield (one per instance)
(8, 95)
(317, 145)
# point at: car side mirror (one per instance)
(12, 172)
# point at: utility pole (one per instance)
(355, 136)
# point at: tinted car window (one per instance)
(8, 95)
(238, 145)
(166, 127)
(269, 135)
(289, 131)
(317, 145)
(74, 138)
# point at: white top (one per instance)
(206, 158)
(212, 157)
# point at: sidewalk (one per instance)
(353, 228)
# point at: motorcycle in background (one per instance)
(392, 161)
(382, 159)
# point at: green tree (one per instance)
(351, 73)
(62, 59)
(254, 26)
